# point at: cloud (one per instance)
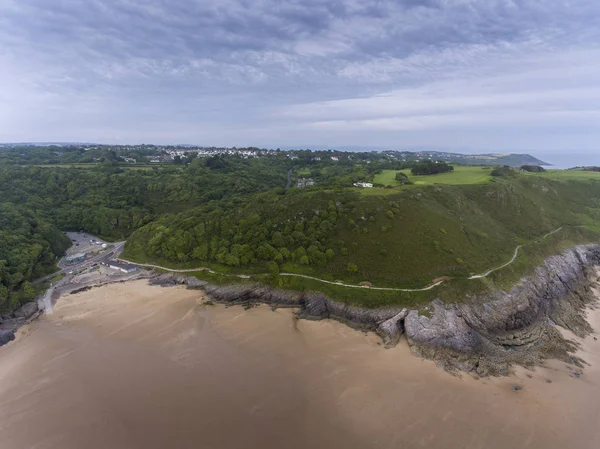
(268, 71)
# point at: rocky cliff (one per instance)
(490, 333)
(486, 335)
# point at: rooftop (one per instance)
(123, 265)
(76, 256)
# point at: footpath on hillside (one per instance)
(342, 284)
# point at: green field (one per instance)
(460, 176)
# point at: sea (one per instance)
(566, 160)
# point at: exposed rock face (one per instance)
(490, 333)
(486, 334)
(27, 310)
(6, 336)
(392, 329)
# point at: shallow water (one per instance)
(135, 366)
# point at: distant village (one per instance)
(165, 154)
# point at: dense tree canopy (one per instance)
(29, 248)
(431, 168)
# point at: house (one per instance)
(305, 182)
(363, 184)
(130, 160)
(316, 158)
(335, 158)
(122, 266)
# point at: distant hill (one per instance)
(513, 160)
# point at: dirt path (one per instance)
(514, 257)
(341, 284)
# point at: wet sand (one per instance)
(135, 366)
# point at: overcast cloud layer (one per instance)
(497, 75)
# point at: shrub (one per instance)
(351, 268)
(533, 168)
(503, 171)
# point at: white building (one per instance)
(363, 184)
(122, 266)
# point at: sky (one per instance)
(467, 75)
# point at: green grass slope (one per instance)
(461, 175)
(405, 239)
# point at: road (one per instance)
(113, 251)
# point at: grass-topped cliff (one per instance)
(405, 237)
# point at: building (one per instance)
(363, 184)
(129, 160)
(122, 266)
(76, 258)
(305, 182)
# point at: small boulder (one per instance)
(6, 336)
(193, 282)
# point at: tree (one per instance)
(273, 268)
(401, 178)
(431, 168)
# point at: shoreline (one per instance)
(522, 330)
(487, 336)
(132, 365)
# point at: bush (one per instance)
(503, 171)
(533, 168)
(351, 268)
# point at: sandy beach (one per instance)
(135, 366)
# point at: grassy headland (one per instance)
(405, 239)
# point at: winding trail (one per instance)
(341, 284)
(514, 257)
